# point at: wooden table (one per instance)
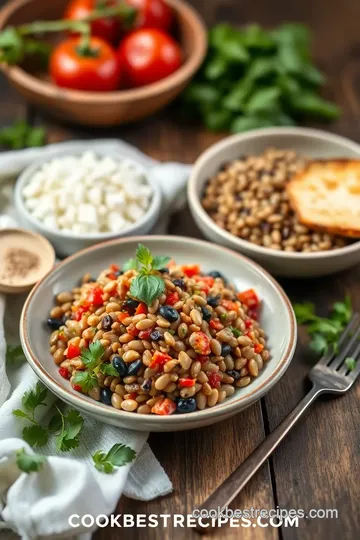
(318, 464)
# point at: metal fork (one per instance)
(329, 376)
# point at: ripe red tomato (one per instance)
(108, 28)
(95, 69)
(148, 55)
(152, 14)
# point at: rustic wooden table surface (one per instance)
(317, 466)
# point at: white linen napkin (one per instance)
(39, 504)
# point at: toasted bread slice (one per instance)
(326, 195)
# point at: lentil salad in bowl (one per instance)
(184, 352)
(238, 198)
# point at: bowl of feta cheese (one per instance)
(77, 200)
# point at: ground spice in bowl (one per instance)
(18, 263)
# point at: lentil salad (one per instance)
(185, 346)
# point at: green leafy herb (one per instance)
(266, 77)
(21, 135)
(92, 356)
(86, 379)
(29, 462)
(131, 264)
(118, 455)
(14, 354)
(148, 285)
(71, 425)
(350, 363)
(324, 331)
(235, 331)
(108, 369)
(35, 435)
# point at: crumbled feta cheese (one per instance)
(88, 193)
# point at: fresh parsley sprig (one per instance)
(22, 135)
(324, 331)
(34, 435)
(91, 357)
(117, 456)
(29, 462)
(147, 285)
(14, 354)
(68, 427)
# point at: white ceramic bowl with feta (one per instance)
(77, 200)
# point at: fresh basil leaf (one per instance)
(217, 119)
(262, 100)
(131, 264)
(310, 104)
(255, 37)
(261, 67)
(147, 288)
(234, 50)
(216, 67)
(236, 99)
(143, 255)
(245, 123)
(202, 93)
(160, 262)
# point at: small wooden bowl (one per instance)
(110, 108)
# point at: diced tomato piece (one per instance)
(141, 309)
(61, 336)
(216, 324)
(145, 334)
(258, 348)
(111, 276)
(249, 298)
(200, 343)
(164, 407)
(184, 383)
(253, 313)
(250, 334)
(191, 270)
(132, 330)
(202, 358)
(95, 297)
(64, 372)
(248, 323)
(159, 359)
(77, 387)
(229, 305)
(133, 395)
(114, 267)
(214, 379)
(73, 351)
(123, 315)
(172, 298)
(204, 283)
(78, 313)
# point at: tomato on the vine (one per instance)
(107, 28)
(147, 56)
(93, 67)
(152, 14)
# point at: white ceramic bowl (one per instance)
(309, 142)
(277, 319)
(66, 243)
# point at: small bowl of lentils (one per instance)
(237, 195)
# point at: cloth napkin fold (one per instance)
(39, 504)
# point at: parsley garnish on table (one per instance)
(324, 331)
(22, 135)
(14, 355)
(253, 78)
(147, 285)
(118, 455)
(29, 462)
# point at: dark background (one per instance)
(318, 464)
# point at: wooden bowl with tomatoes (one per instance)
(117, 73)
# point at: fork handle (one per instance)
(228, 490)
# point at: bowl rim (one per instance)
(27, 173)
(239, 243)
(222, 409)
(32, 83)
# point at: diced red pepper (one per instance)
(123, 315)
(132, 330)
(204, 283)
(77, 387)
(172, 298)
(216, 324)
(248, 323)
(184, 383)
(141, 309)
(95, 297)
(191, 270)
(253, 313)
(64, 372)
(250, 334)
(202, 358)
(114, 267)
(159, 359)
(214, 379)
(258, 348)
(145, 334)
(133, 395)
(164, 407)
(200, 343)
(249, 298)
(73, 351)
(111, 276)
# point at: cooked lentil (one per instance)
(166, 358)
(247, 197)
